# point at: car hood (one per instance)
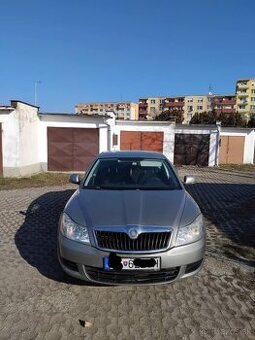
(127, 207)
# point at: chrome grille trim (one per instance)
(116, 239)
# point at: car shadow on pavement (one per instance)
(36, 239)
(229, 210)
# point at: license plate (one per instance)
(141, 263)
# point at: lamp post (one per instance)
(35, 93)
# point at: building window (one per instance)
(252, 99)
(253, 91)
(200, 100)
(252, 107)
(152, 109)
(199, 107)
(190, 100)
(153, 101)
(190, 108)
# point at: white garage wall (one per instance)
(24, 136)
(10, 142)
(20, 140)
(28, 125)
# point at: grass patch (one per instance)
(40, 180)
(238, 167)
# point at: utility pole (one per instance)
(35, 93)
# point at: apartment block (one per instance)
(150, 107)
(224, 103)
(196, 104)
(186, 106)
(174, 105)
(245, 97)
(123, 110)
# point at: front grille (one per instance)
(132, 277)
(144, 242)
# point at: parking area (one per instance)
(38, 301)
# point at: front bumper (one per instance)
(86, 262)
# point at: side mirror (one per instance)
(189, 180)
(75, 179)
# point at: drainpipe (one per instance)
(217, 149)
(110, 122)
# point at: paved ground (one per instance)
(38, 301)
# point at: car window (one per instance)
(126, 173)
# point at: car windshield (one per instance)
(127, 174)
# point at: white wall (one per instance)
(10, 140)
(249, 148)
(24, 136)
(20, 140)
(28, 125)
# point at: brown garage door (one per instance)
(231, 149)
(1, 154)
(71, 149)
(136, 140)
(191, 149)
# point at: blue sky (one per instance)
(110, 50)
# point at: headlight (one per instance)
(74, 231)
(191, 233)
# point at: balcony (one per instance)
(242, 94)
(174, 104)
(242, 85)
(143, 104)
(224, 102)
(242, 102)
(143, 112)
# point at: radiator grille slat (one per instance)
(146, 241)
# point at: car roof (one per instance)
(131, 154)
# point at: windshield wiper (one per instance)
(105, 187)
(93, 187)
(156, 188)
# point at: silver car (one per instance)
(131, 221)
